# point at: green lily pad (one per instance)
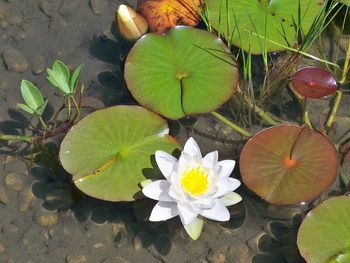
(324, 235)
(185, 72)
(288, 164)
(250, 23)
(109, 152)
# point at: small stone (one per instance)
(12, 228)
(137, 243)
(98, 6)
(38, 65)
(45, 234)
(2, 248)
(15, 20)
(98, 245)
(46, 218)
(15, 61)
(117, 228)
(24, 200)
(47, 8)
(67, 231)
(76, 259)
(3, 196)
(13, 181)
(216, 256)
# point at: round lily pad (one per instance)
(324, 235)
(288, 164)
(259, 24)
(109, 152)
(314, 82)
(185, 72)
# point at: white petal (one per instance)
(191, 148)
(166, 163)
(210, 160)
(158, 190)
(219, 212)
(226, 167)
(194, 229)
(163, 211)
(186, 213)
(230, 199)
(225, 186)
(203, 204)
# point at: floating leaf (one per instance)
(163, 15)
(109, 152)
(314, 82)
(185, 72)
(324, 235)
(259, 24)
(288, 164)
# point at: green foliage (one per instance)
(109, 152)
(34, 100)
(260, 26)
(187, 71)
(324, 235)
(60, 77)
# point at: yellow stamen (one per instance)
(195, 181)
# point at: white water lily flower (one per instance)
(194, 187)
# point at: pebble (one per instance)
(137, 243)
(15, 61)
(98, 6)
(3, 195)
(24, 200)
(2, 248)
(76, 259)
(47, 8)
(15, 20)
(46, 218)
(117, 228)
(217, 256)
(13, 181)
(98, 245)
(38, 65)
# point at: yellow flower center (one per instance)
(194, 181)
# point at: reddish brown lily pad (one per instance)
(163, 15)
(314, 82)
(288, 164)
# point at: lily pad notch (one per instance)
(108, 151)
(188, 71)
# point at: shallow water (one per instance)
(43, 218)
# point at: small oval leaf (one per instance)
(31, 95)
(314, 82)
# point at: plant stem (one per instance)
(231, 124)
(266, 116)
(346, 65)
(42, 123)
(4, 137)
(76, 107)
(305, 114)
(334, 110)
(69, 107)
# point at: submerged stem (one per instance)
(231, 124)
(334, 110)
(42, 123)
(305, 114)
(76, 107)
(22, 138)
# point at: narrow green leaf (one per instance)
(59, 80)
(31, 95)
(41, 109)
(61, 69)
(75, 78)
(25, 108)
(194, 230)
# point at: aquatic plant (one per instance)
(109, 151)
(163, 15)
(130, 24)
(188, 71)
(288, 164)
(195, 186)
(324, 234)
